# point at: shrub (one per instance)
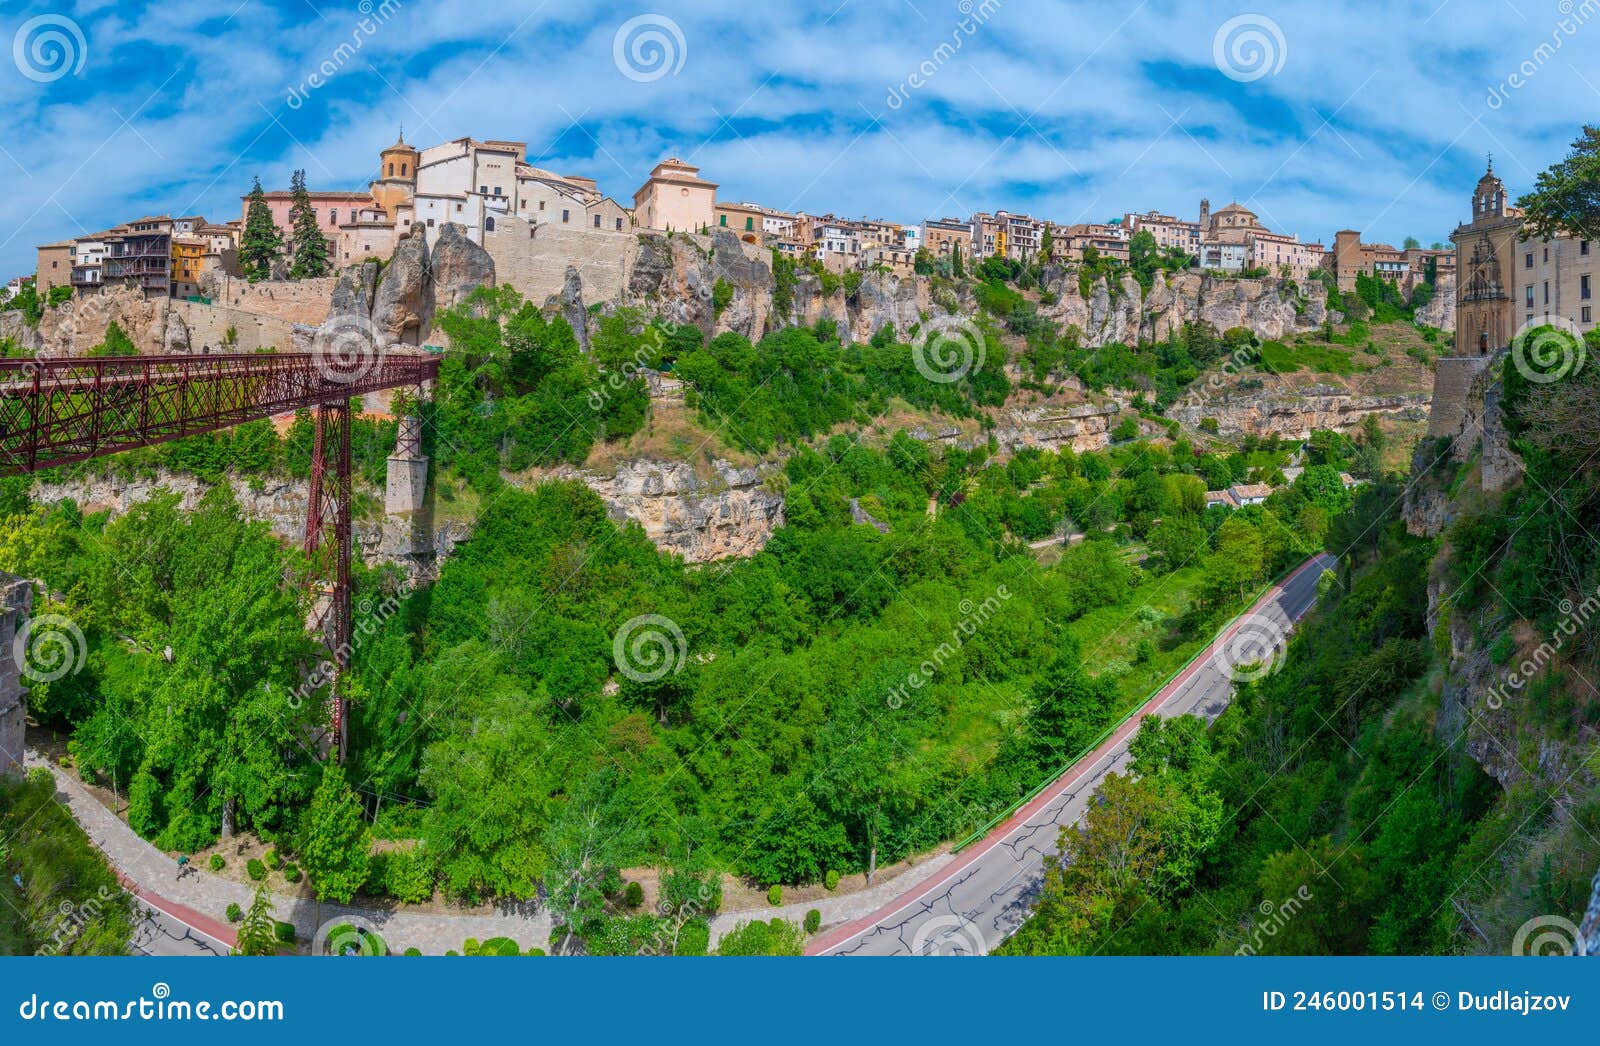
(291, 872)
(217, 863)
(694, 938)
(405, 875)
(274, 861)
(534, 951)
(284, 931)
(831, 880)
(1502, 649)
(412, 951)
(633, 895)
(1208, 425)
(775, 895)
(813, 921)
(499, 946)
(469, 946)
(235, 913)
(255, 869)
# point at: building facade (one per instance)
(675, 199)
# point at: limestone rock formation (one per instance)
(677, 277)
(1293, 413)
(402, 307)
(458, 267)
(569, 305)
(353, 293)
(14, 327)
(176, 337)
(1440, 310)
(79, 324)
(732, 514)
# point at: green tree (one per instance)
(957, 269)
(115, 343)
(262, 241)
(776, 937)
(589, 839)
(258, 930)
(1047, 243)
(1566, 196)
(310, 246)
(336, 844)
(1411, 244)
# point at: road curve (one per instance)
(979, 900)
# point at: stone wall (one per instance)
(1452, 386)
(292, 301)
(534, 259)
(207, 328)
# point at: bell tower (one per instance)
(396, 184)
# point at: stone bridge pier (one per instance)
(407, 510)
(16, 602)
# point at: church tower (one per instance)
(396, 184)
(1485, 273)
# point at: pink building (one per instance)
(331, 208)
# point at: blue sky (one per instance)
(1373, 116)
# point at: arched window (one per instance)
(402, 170)
(488, 225)
(391, 170)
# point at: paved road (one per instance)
(161, 934)
(979, 899)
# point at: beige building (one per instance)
(1557, 277)
(745, 220)
(941, 237)
(1006, 235)
(899, 260)
(1169, 232)
(1109, 241)
(675, 198)
(54, 266)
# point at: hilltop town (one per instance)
(502, 201)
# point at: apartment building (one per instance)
(941, 237)
(1109, 241)
(1169, 232)
(1006, 235)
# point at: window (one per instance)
(541, 205)
(1583, 288)
(488, 225)
(749, 224)
(722, 220)
(1527, 262)
(483, 190)
(430, 223)
(1586, 317)
(619, 224)
(597, 221)
(333, 216)
(402, 170)
(1583, 246)
(497, 190)
(1547, 255)
(458, 208)
(1547, 292)
(391, 170)
(566, 216)
(1529, 296)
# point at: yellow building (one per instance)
(188, 262)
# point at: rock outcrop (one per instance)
(732, 514)
(79, 324)
(1122, 313)
(677, 277)
(1292, 413)
(176, 337)
(569, 305)
(402, 308)
(1440, 310)
(458, 267)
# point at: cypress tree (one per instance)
(261, 242)
(310, 246)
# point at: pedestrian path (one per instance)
(200, 899)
